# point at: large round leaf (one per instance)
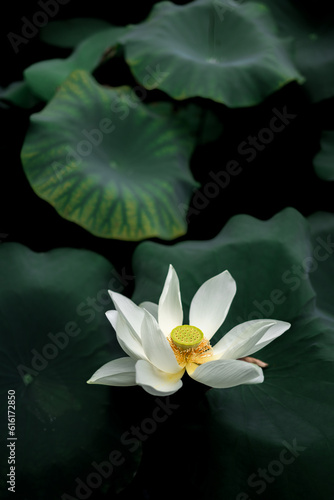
(45, 77)
(54, 335)
(275, 438)
(324, 159)
(110, 163)
(194, 50)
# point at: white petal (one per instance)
(155, 381)
(126, 336)
(249, 337)
(224, 373)
(151, 308)
(211, 303)
(156, 346)
(170, 306)
(112, 317)
(275, 331)
(120, 372)
(133, 313)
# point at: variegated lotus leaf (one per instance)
(110, 163)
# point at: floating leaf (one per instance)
(110, 163)
(324, 159)
(192, 50)
(45, 77)
(68, 33)
(280, 432)
(53, 336)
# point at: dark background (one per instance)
(281, 175)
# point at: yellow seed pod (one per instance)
(186, 336)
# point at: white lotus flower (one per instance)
(160, 348)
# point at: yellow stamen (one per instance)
(198, 354)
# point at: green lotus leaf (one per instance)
(312, 40)
(54, 334)
(324, 159)
(194, 50)
(45, 77)
(110, 163)
(68, 33)
(277, 437)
